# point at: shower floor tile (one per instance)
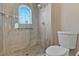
(33, 51)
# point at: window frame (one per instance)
(25, 25)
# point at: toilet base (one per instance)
(57, 49)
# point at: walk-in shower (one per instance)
(23, 29)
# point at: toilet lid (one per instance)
(56, 51)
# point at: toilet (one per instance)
(67, 41)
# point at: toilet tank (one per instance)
(67, 39)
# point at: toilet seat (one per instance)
(56, 51)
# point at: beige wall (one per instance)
(56, 20)
(70, 18)
(66, 18)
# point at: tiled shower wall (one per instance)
(37, 38)
(15, 39)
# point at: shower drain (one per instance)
(27, 54)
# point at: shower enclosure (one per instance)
(25, 40)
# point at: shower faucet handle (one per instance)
(43, 23)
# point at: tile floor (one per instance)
(34, 51)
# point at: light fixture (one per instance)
(38, 5)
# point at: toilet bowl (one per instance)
(57, 51)
(77, 54)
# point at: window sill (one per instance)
(25, 26)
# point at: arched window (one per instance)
(25, 15)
